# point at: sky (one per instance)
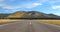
(45, 6)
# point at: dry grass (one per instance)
(57, 22)
(7, 20)
(3, 21)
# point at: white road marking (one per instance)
(30, 23)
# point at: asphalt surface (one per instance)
(29, 26)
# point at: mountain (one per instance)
(4, 15)
(55, 16)
(31, 14)
(17, 15)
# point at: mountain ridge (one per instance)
(33, 14)
(30, 14)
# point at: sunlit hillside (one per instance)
(17, 15)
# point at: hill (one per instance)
(31, 14)
(4, 15)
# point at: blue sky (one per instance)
(46, 6)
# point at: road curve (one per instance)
(29, 26)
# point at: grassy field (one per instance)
(56, 22)
(4, 21)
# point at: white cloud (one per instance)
(5, 6)
(36, 4)
(27, 5)
(55, 7)
(33, 5)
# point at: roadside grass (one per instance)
(5, 21)
(56, 22)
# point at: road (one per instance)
(29, 26)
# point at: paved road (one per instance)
(29, 26)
